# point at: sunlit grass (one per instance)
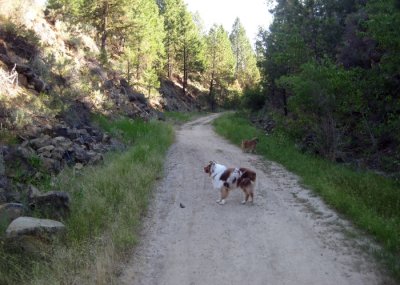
(371, 201)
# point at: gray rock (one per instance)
(2, 166)
(3, 197)
(33, 226)
(11, 211)
(33, 192)
(26, 152)
(50, 164)
(52, 204)
(95, 158)
(58, 153)
(81, 155)
(47, 148)
(41, 141)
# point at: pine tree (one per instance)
(107, 17)
(190, 51)
(144, 51)
(246, 71)
(171, 11)
(220, 63)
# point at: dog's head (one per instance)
(209, 167)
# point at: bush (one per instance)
(253, 98)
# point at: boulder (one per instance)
(34, 227)
(26, 151)
(48, 148)
(33, 192)
(3, 197)
(58, 153)
(81, 154)
(51, 164)
(11, 211)
(52, 204)
(61, 131)
(22, 80)
(94, 157)
(43, 140)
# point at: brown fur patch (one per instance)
(226, 174)
(207, 169)
(249, 145)
(247, 173)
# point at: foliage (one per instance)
(219, 64)
(332, 68)
(320, 99)
(253, 98)
(370, 200)
(246, 71)
(144, 52)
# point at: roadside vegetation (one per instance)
(370, 200)
(107, 203)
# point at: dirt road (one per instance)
(287, 237)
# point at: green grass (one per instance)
(371, 201)
(107, 204)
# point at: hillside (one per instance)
(53, 86)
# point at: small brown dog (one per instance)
(249, 145)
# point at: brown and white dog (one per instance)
(249, 145)
(225, 179)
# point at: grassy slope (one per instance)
(107, 203)
(372, 202)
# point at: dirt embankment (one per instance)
(287, 237)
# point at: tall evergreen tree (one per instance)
(107, 16)
(246, 71)
(190, 54)
(171, 11)
(220, 63)
(144, 51)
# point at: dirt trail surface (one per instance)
(287, 237)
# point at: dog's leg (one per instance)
(252, 197)
(221, 195)
(224, 194)
(246, 198)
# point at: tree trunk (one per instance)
(184, 85)
(169, 69)
(138, 65)
(211, 93)
(129, 71)
(104, 27)
(237, 62)
(284, 98)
